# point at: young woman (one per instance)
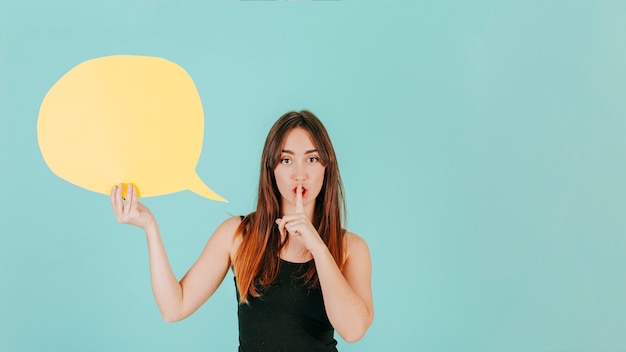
(299, 275)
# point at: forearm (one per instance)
(165, 287)
(347, 311)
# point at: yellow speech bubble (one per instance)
(125, 118)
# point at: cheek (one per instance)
(280, 179)
(319, 179)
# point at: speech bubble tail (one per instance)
(197, 186)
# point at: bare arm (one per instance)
(347, 294)
(177, 300)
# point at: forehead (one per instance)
(298, 139)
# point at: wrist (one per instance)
(320, 251)
(151, 227)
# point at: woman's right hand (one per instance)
(129, 210)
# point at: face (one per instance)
(299, 164)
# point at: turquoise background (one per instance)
(481, 145)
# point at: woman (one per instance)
(299, 275)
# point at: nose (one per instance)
(299, 172)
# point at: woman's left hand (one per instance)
(299, 226)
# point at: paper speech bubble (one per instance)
(125, 118)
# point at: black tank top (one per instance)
(288, 317)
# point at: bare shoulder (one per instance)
(355, 245)
(229, 226)
(227, 229)
(226, 235)
(357, 265)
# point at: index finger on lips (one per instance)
(299, 205)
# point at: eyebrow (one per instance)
(286, 151)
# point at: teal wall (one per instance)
(482, 146)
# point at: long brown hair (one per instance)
(257, 260)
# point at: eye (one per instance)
(285, 161)
(313, 159)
